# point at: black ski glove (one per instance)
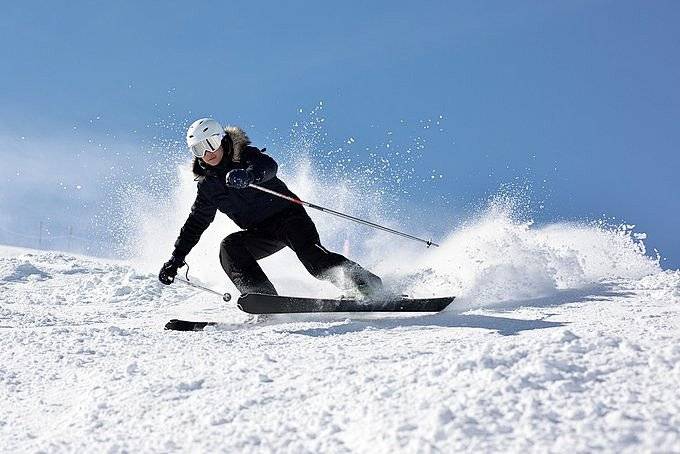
(169, 270)
(239, 178)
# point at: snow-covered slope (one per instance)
(86, 366)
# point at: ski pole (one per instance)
(342, 215)
(225, 296)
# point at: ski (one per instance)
(186, 325)
(255, 303)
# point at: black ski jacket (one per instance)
(246, 207)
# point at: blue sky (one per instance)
(579, 99)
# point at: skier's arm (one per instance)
(260, 165)
(202, 214)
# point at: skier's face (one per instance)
(213, 158)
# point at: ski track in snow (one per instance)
(85, 365)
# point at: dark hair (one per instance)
(228, 147)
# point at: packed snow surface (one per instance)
(564, 338)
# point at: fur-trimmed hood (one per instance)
(234, 142)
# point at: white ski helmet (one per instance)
(204, 135)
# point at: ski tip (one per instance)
(185, 325)
(242, 307)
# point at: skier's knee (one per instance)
(230, 246)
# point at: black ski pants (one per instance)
(240, 251)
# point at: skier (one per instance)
(225, 164)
